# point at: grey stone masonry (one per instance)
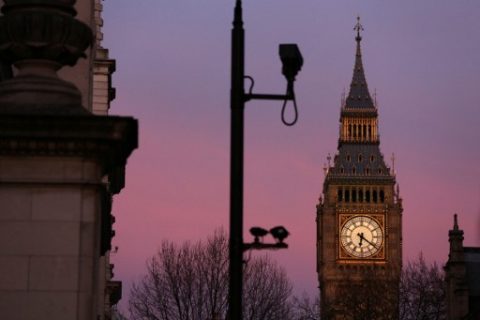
(55, 158)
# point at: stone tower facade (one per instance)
(359, 216)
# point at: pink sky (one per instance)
(173, 75)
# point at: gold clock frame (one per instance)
(344, 256)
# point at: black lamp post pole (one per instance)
(292, 62)
(237, 105)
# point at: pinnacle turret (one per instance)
(455, 237)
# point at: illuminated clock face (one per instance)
(361, 236)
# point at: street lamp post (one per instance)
(237, 106)
(292, 62)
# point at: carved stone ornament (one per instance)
(39, 37)
(47, 30)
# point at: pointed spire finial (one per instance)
(358, 27)
(455, 222)
(237, 15)
(326, 167)
(393, 163)
(359, 97)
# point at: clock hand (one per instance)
(361, 238)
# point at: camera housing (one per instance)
(279, 233)
(292, 60)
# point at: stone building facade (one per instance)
(359, 216)
(93, 76)
(59, 163)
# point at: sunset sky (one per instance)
(173, 75)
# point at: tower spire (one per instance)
(359, 96)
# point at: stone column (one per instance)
(54, 155)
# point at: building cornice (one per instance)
(109, 139)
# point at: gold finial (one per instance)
(358, 27)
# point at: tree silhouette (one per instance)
(305, 308)
(422, 291)
(191, 282)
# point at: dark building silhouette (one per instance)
(359, 226)
(462, 277)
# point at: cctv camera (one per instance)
(258, 232)
(292, 60)
(279, 233)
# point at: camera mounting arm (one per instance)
(292, 62)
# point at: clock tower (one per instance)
(359, 226)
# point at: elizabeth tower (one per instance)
(359, 226)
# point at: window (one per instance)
(382, 196)
(367, 170)
(360, 195)
(360, 158)
(374, 196)
(348, 158)
(340, 195)
(354, 170)
(347, 195)
(354, 195)
(367, 196)
(372, 158)
(342, 170)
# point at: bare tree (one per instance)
(422, 291)
(117, 314)
(191, 282)
(305, 308)
(267, 291)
